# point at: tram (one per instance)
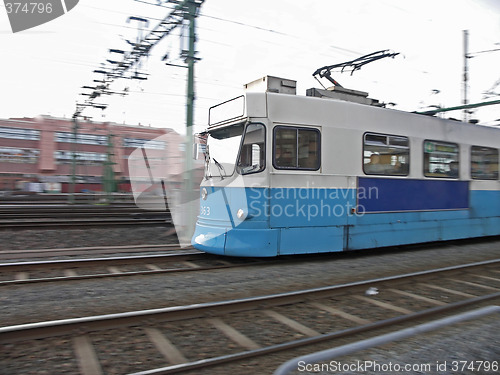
(335, 170)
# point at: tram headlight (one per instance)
(204, 194)
(241, 214)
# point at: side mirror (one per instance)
(198, 151)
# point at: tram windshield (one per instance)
(222, 149)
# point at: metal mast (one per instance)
(186, 10)
(465, 100)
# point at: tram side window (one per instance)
(441, 159)
(252, 154)
(296, 148)
(484, 163)
(386, 154)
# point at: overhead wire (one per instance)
(202, 38)
(211, 41)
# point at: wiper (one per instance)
(207, 164)
(221, 168)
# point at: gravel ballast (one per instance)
(31, 303)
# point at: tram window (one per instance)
(386, 154)
(296, 148)
(252, 154)
(484, 163)
(441, 159)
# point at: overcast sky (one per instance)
(43, 69)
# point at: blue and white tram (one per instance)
(334, 171)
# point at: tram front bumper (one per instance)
(209, 239)
(236, 242)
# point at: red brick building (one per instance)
(40, 150)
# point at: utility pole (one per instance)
(73, 162)
(184, 10)
(190, 60)
(465, 100)
(109, 182)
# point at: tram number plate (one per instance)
(205, 210)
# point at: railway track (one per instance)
(51, 208)
(78, 223)
(175, 260)
(23, 198)
(80, 215)
(195, 338)
(86, 251)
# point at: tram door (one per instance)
(303, 214)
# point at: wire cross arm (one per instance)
(353, 65)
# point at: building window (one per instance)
(18, 155)
(18, 133)
(441, 159)
(484, 163)
(296, 148)
(86, 139)
(87, 158)
(146, 143)
(386, 154)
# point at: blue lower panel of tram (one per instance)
(295, 221)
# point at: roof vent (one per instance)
(273, 84)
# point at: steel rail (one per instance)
(188, 256)
(81, 214)
(92, 261)
(33, 253)
(83, 223)
(204, 363)
(95, 323)
(349, 349)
